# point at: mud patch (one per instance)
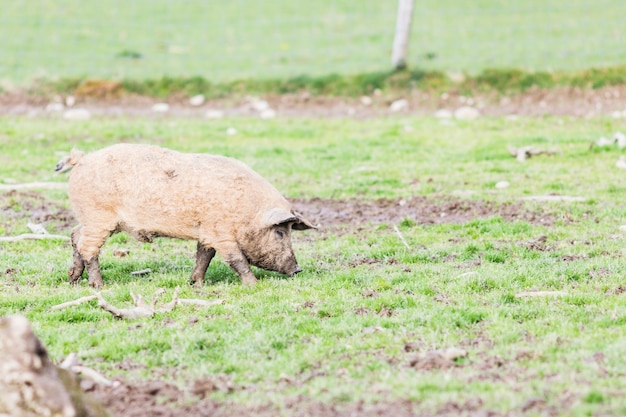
(158, 398)
(28, 206)
(344, 216)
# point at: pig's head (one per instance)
(268, 245)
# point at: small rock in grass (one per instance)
(602, 141)
(160, 107)
(231, 131)
(77, 114)
(70, 101)
(502, 184)
(37, 229)
(443, 114)
(267, 114)
(366, 101)
(259, 105)
(55, 107)
(197, 100)
(399, 105)
(620, 139)
(121, 252)
(214, 114)
(466, 113)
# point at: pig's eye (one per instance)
(280, 234)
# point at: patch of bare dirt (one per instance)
(562, 101)
(337, 215)
(158, 398)
(34, 207)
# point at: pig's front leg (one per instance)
(236, 260)
(204, 256)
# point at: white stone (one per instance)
(466, 113)
(55, 107)
(160, 107)
(37, 228)
(214, 114)
(267, 114)
(197, 100)
(259, 105)
(366, 101)
(77, 114)
(443, 114)
(502, 184)
(70, 101)
(399, 105)
(231, 131)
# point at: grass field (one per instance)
(223, 41)
(348, 327)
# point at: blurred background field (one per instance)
(254, 39)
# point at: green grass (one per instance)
(501, 81)
(329, 329)
(279, 39)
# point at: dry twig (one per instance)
(521, 154)
(75, 302)
(401, 237)
(141, 309)
(26, 236)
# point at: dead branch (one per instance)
(26, 236)
(94, 375)
(142, 272)
(28, 185)
(71, 364)
(171, 305)
(75, 302)
(521, 154)
(141, 309)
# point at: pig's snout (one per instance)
(296, 271)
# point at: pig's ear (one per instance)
(278, 217)
(301, 223)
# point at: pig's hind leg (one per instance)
(204, 255)
(88, 246)
(78, 265)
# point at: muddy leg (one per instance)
(204, 256)
(93, 271)
(78, 265)
(237, 260)
(89, 244)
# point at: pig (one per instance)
(149, 191)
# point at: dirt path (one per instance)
(576, 102)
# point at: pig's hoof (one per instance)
(73, 278)
(97, 284)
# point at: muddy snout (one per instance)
(297, 270)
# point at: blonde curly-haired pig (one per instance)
(150, 191)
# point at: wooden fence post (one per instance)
(403, 32)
